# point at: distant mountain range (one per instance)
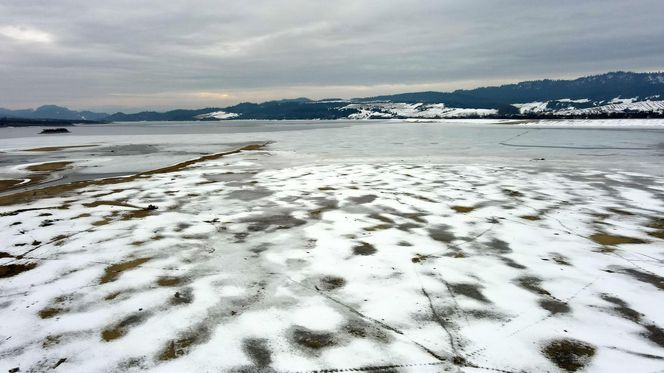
(52, 112)
(616, 94)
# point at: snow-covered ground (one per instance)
(532, 107)
(616, 105)
(371, 266)
(403, 110)
(595, 123)
(217, 115)
(385, 246)
(566, 106)
(641, 106)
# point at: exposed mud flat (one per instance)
(49, 166)
(57, 148)
(9, 184)
(227, 264)
(569, 355)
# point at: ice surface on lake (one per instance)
(341, 248)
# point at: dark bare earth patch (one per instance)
(112, 295)
(326, 205)
(51, 340)
(569, 354)
(120, 329)
(364, 249)
(622, 308)
(313, 340)
(463, 209)
(331, 283)
(485, 314)
(561, 259)
(258, 351)
(512, 193)
(361, 329)
(363, 199)
(169, 281)
(283, 221)
(48, 312)
(619, 211)
(499, 246)
(511, 263)
(469, 290)
(419, 258)
(655, 334)
(649, 278)
(554, 306)
(183, 296)
(115, 270)
(658, 225)
(176, 348)
(533, 284)
(10, 270)
(381, 218)
(442, 233)
(378, 227)
(249, 194)
(611, 240)
(182, 345)
(109, 203)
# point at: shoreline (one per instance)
(53, 190)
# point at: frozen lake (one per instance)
(124, 148)
(333, 246)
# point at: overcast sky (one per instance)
(157, 54)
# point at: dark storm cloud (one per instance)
(184, 53)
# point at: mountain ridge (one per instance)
(618, 93)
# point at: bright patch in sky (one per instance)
(25, 34)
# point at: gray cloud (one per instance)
(157, 54)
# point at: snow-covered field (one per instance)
(642, 106)
(217, 115)
(234, 264)
(404, 110)
(616, 105)
(565, 107)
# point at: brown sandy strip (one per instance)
(9, 183)
(57, 148)
(48, 167)
(31, 180)
(30, 195)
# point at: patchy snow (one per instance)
(419, 110)
(416, 267)
(596, 123)
(532, 107)
(620, 100)
(217, 115)
(578, 101)
(441, 111)
(625, 106)
(616, 105)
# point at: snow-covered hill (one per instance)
(583, 107)
(642, 106)
(404, 110)
(216, 115)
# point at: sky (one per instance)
(153, 54)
